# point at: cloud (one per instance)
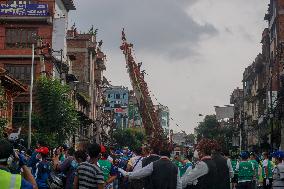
(156, 26)
(194, 51)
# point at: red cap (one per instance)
(42, 150)
(103, 149)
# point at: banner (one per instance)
(16, 9)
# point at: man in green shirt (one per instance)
(255, 165)
(245, 171)
(183, 165)
(234, 163)
(106, 167)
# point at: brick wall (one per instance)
(44, 30)
(80, 67)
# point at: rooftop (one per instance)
(69, 4)
(10, 82)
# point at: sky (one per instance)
(194, 51)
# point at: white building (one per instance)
(164, 116)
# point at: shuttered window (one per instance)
(20, 38)
(21, 72)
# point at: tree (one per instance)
(57, 118)
(208, 128)
(212, 129)
(3, 106)
(132, 138)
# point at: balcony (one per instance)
(27, 19)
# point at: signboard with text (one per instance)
(16, 9)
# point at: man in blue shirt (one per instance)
(16, 181)
(33, 160)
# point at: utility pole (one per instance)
(31, 98)
(61, 59)
(271, 111)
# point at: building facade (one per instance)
(11, 89)
(23, 24)
(117, 98)
(86, 77)
(275, 18)
(252, 103)
(164, 117)
(134, 117)
(237, 100)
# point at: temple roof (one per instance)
(11, 83)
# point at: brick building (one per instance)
(23, 23)
(254, 80)
(12, 88)
(275, 18)
(88, 66)
(252, 104)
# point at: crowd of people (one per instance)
(100, 167)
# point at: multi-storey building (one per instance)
(134, 117)
(275, 18)
(254, 83)
(117, 97)
(256, 91)
(237, 100)
(164, 116)
(27, 23)
(87, 66)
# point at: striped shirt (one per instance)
(89, 176)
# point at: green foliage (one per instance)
(132, 138)
(58, 118)
(3, 105)
(212, 129)
(208, 128)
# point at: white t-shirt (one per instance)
(265, 163)
(231, 171)
(136, 160)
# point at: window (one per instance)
(117, 106)
(164, 123)
(20, 72)
(20, 38)
(20, 111)
(117, 96)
